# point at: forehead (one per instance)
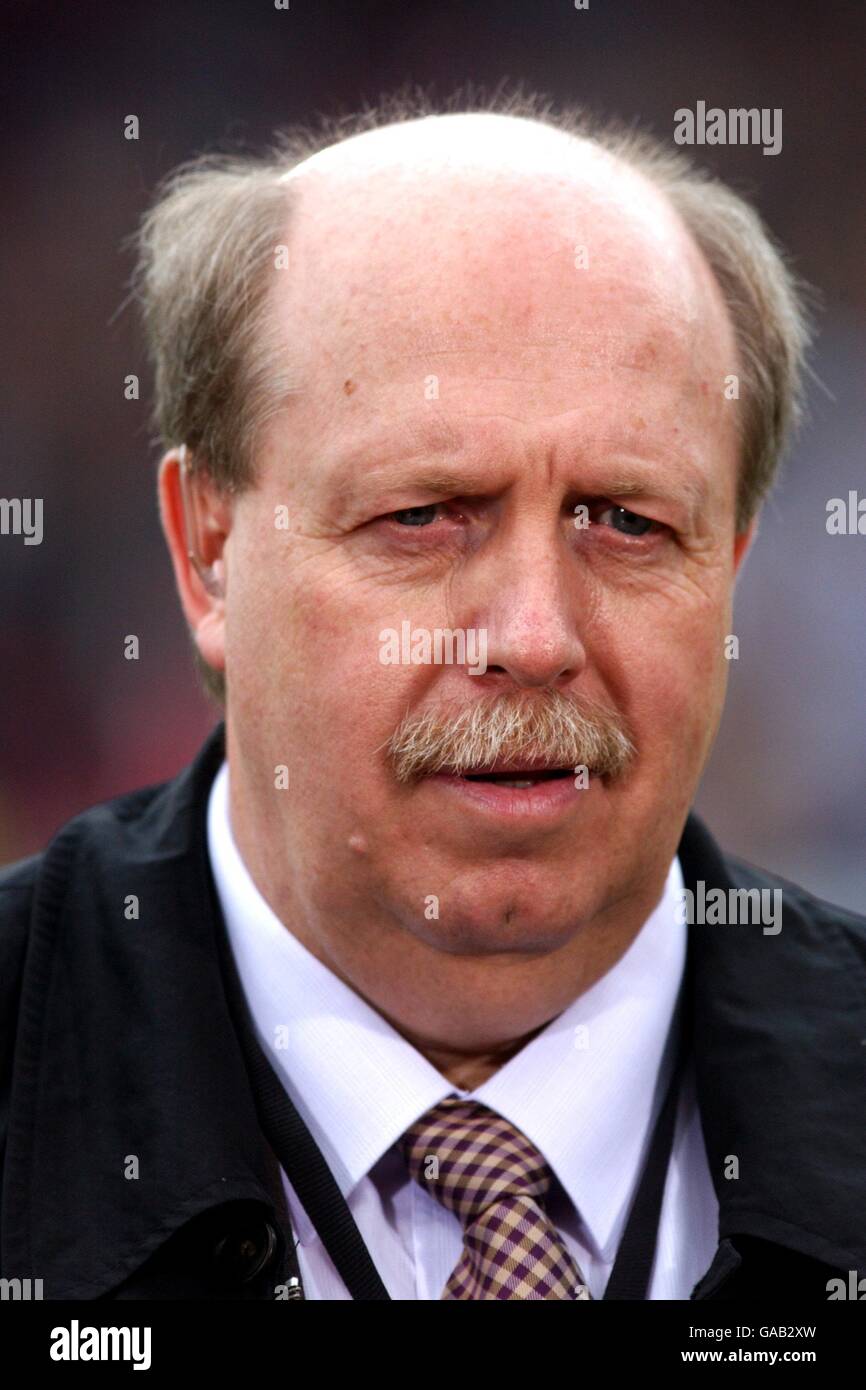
(525, 294)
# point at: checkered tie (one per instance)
(487, 1172)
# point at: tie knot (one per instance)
(468, 1157)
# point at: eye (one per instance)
(626, 522)
(415, 516)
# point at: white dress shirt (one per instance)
(586, 1091)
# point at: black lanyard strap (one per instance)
(629, 1278)
(297, 1151)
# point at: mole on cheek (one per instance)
(349, 386)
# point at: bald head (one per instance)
(523, 189)
(485, 142)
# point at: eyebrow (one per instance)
(397, 471)
(397, 452)
(439, 483)
(692, 491)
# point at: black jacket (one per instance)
(117, 1044)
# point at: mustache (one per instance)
(542, 727)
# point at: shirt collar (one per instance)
(583, 1090)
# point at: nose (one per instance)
(532, 615)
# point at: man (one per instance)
(468, 418)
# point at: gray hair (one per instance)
(206, 245)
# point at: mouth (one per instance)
(518, 794)
(520, 778)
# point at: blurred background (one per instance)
(786, 787)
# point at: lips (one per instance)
(515, 795)
(520, 778)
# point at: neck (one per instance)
(468, 1070)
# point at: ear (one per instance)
(197, 517)
(743, 543)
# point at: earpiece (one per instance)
(211, 576)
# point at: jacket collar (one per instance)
(118, 1006)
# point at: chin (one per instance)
(493, 925)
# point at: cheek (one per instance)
(664, 665)
(343, 701)
(346, 632)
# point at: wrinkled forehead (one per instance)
(386, 262)
(522, 286)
